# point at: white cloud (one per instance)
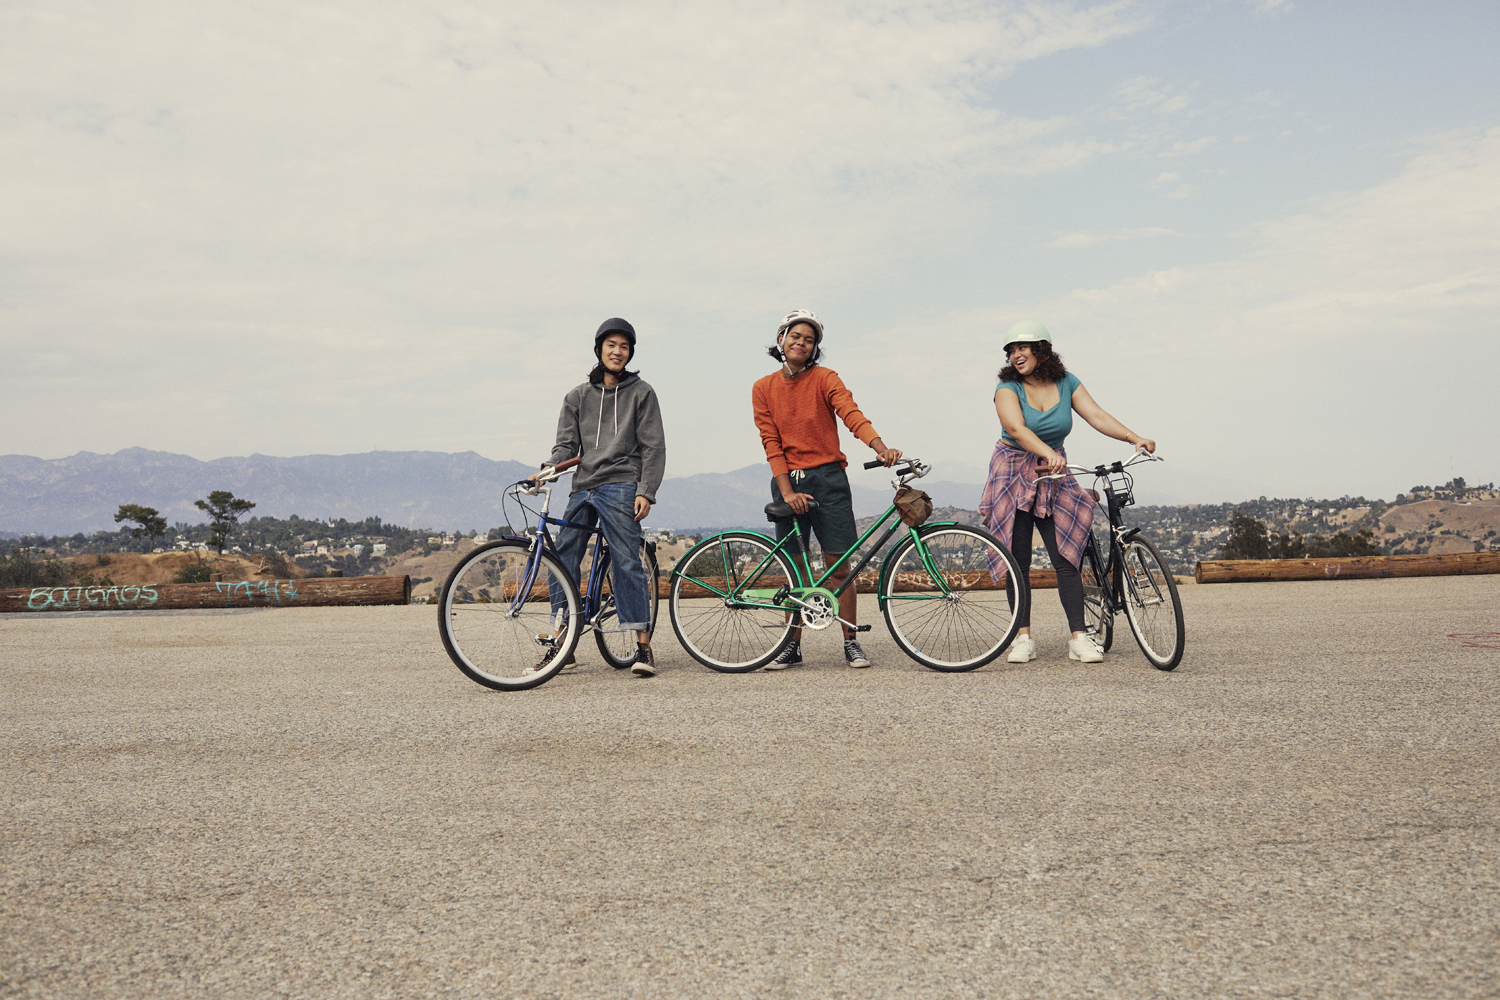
(1193, 147)
(1351, 349)
(333, 204)
(1070, 241)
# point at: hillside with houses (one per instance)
(1450, 518)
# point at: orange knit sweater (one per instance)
(795, 419)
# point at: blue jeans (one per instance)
(612, 506)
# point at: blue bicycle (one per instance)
(495, 615)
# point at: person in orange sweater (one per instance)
(794, 411)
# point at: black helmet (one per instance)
(614, 325)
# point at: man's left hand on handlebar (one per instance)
(888, 456)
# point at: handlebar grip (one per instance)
(874, 464)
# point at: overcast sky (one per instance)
(1264, 232)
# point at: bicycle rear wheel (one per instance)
(1098, 609)
(496, 639)
(965, 621)
(717, 630)
(617, 645)
(1152, 606)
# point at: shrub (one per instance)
(20, 570)
(194, 573)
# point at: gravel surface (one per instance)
(316, 803)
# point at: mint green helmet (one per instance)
(1028, 331)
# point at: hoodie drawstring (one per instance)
(599, 424)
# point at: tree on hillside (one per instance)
(152, 524)
(1247, 539)
(224, 510)
(1361, 543)
(1287, 546)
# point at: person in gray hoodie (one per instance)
(613, 424)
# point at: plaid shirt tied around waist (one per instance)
(1013, 486)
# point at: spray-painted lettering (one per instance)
(91, 598)
(270, 591)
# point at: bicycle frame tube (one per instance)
(859, 568)
(593, 599)
(543, 543)
(737, 589)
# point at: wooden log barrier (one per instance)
(322, 592)
(1346, 568)
(1041, 579)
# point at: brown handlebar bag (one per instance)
(914, 506)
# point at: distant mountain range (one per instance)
(428, 489)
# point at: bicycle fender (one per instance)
(886, 562)
(770, 542)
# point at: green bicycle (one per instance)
(736, 596)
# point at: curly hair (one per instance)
(1049, 364)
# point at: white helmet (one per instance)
(801, 316)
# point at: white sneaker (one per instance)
(1084, 651)
(1023, 650)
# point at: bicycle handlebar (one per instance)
(1141, 455)
(532, 485)
(913, 464)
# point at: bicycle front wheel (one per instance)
(1098, 610)
(947, 611)
(617, 645)
(500, 632)
(717, 618)
(1152, 606)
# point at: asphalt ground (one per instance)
(316, 803)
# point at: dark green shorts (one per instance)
(833, 519)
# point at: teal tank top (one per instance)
(1053, 425)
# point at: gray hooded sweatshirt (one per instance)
(617, 429)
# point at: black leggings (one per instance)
(1069, 580)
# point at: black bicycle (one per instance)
(1134, 579)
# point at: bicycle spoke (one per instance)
(969, 624)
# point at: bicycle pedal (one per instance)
(863, 628)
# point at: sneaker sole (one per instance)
(1020, 659)
(781, 666)
(1085, 659)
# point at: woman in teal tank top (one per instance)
(1035, 401)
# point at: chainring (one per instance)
(817, 611)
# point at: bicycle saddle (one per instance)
(778, 510)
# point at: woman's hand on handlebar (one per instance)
(1051, 464)
(1143, 444)
(797, 501)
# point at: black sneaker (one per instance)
(645, 662)
(853, 655)
(791, 656)
(568, 667)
